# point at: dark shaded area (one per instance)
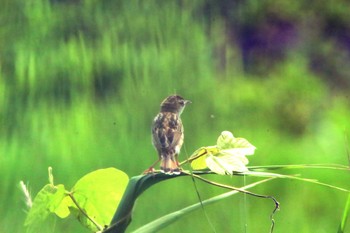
(106, 82)
(267, 33)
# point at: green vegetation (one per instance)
(81, 80)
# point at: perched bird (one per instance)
(168, 133)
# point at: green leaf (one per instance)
(241, 146)
(345, 217)
(228, 156)
(98, 194)
(136, 186)
(62, 209)
(226, 164)
(200, 155)
(48, 200)
(225, 140)
(166, 220)
(294, 177)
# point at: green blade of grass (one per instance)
(294, 177)
(166, 220)
(136, 186)
(298, 166)
(345, 216)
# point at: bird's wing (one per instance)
(167, 131)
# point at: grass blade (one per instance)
(345, 216)
(166, 220)
(298, 166)
(136, 186)
(294, 177)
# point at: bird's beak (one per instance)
(188, 102)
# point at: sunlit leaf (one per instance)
(136, 186)
(245, 147)
(225, 140)
(168, 219)
(228, 156)
(62, 209)
(98, 194)
(200, 155)
(199, 164)
(48, 200)
(226, 164)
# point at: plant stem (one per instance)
(277, 205)
(84, 213)
(205, 151)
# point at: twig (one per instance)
(277, 205)
(83, 212)
(196, 157)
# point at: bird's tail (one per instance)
(169, 165)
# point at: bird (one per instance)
(168, 134)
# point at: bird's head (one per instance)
(174, 103)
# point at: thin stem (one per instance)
(195, 157)
(83, 212)
(299, 166)
(277, 205)
(229, 187)
(200, 201)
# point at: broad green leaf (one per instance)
(200, 155)
(48, 200)
(136, 186)
(235, 154)
(225, 140)
(98, 194)
(228, 156)
(166, 220)
(62, 210)
(199, 164)
(245, 147)
(226, 164)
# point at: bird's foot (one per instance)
(168, 171)
(148, 171)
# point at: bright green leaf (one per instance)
(226, 140)
(245, 147)
(199, 164)
(200, 155)
(55, 201)
(228, 156)
(48, 200)
(226, 164)
(168, 219)
(98, 194)
(62, 210)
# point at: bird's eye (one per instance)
(181, 102)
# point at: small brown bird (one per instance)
(168, 133)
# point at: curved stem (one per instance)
(277, 205)
(83, 212)
(205, 151)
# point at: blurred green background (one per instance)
(81, 80)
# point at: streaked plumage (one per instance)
(168, 133)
